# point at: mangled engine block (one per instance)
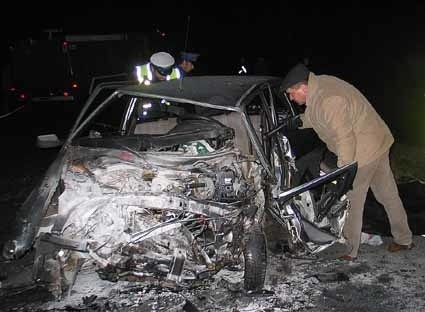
(149, 213)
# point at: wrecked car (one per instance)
(173, 181)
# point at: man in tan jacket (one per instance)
(351, 128)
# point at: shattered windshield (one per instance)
(145, 124)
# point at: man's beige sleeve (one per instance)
(338, 123)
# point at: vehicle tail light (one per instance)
(23, 96)
(74, 85)
(65, 93)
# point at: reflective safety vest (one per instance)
(145, 74)
(242, 70)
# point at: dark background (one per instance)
(377, 47)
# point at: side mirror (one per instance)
(48, 141)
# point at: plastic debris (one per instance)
(371, 239)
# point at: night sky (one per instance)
(378, 47)
(331, 35)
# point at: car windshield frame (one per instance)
(239, 107)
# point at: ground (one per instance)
(377, 281)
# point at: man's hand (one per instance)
(294, 122)
(285, 124)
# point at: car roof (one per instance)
(214, 90)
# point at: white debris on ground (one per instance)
(378, 281)
(371, 239)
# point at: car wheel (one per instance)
(255, 256)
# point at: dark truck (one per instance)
(48, 79)
(111, 57)
(63, 68)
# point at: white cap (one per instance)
(162, 59)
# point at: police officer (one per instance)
(187, 62)
(160, 68)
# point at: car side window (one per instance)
(258, 113)
(108, 120)
(253, 110)
(284, 105)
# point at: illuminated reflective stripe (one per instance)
(144, 73)
(139, 74)
(149, 71)
(242, 70)
(178, 73)
(175, 74)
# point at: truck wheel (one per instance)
(255, 256)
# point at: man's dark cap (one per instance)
(189, 56)
(297, 74)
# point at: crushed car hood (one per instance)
(114, 198)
